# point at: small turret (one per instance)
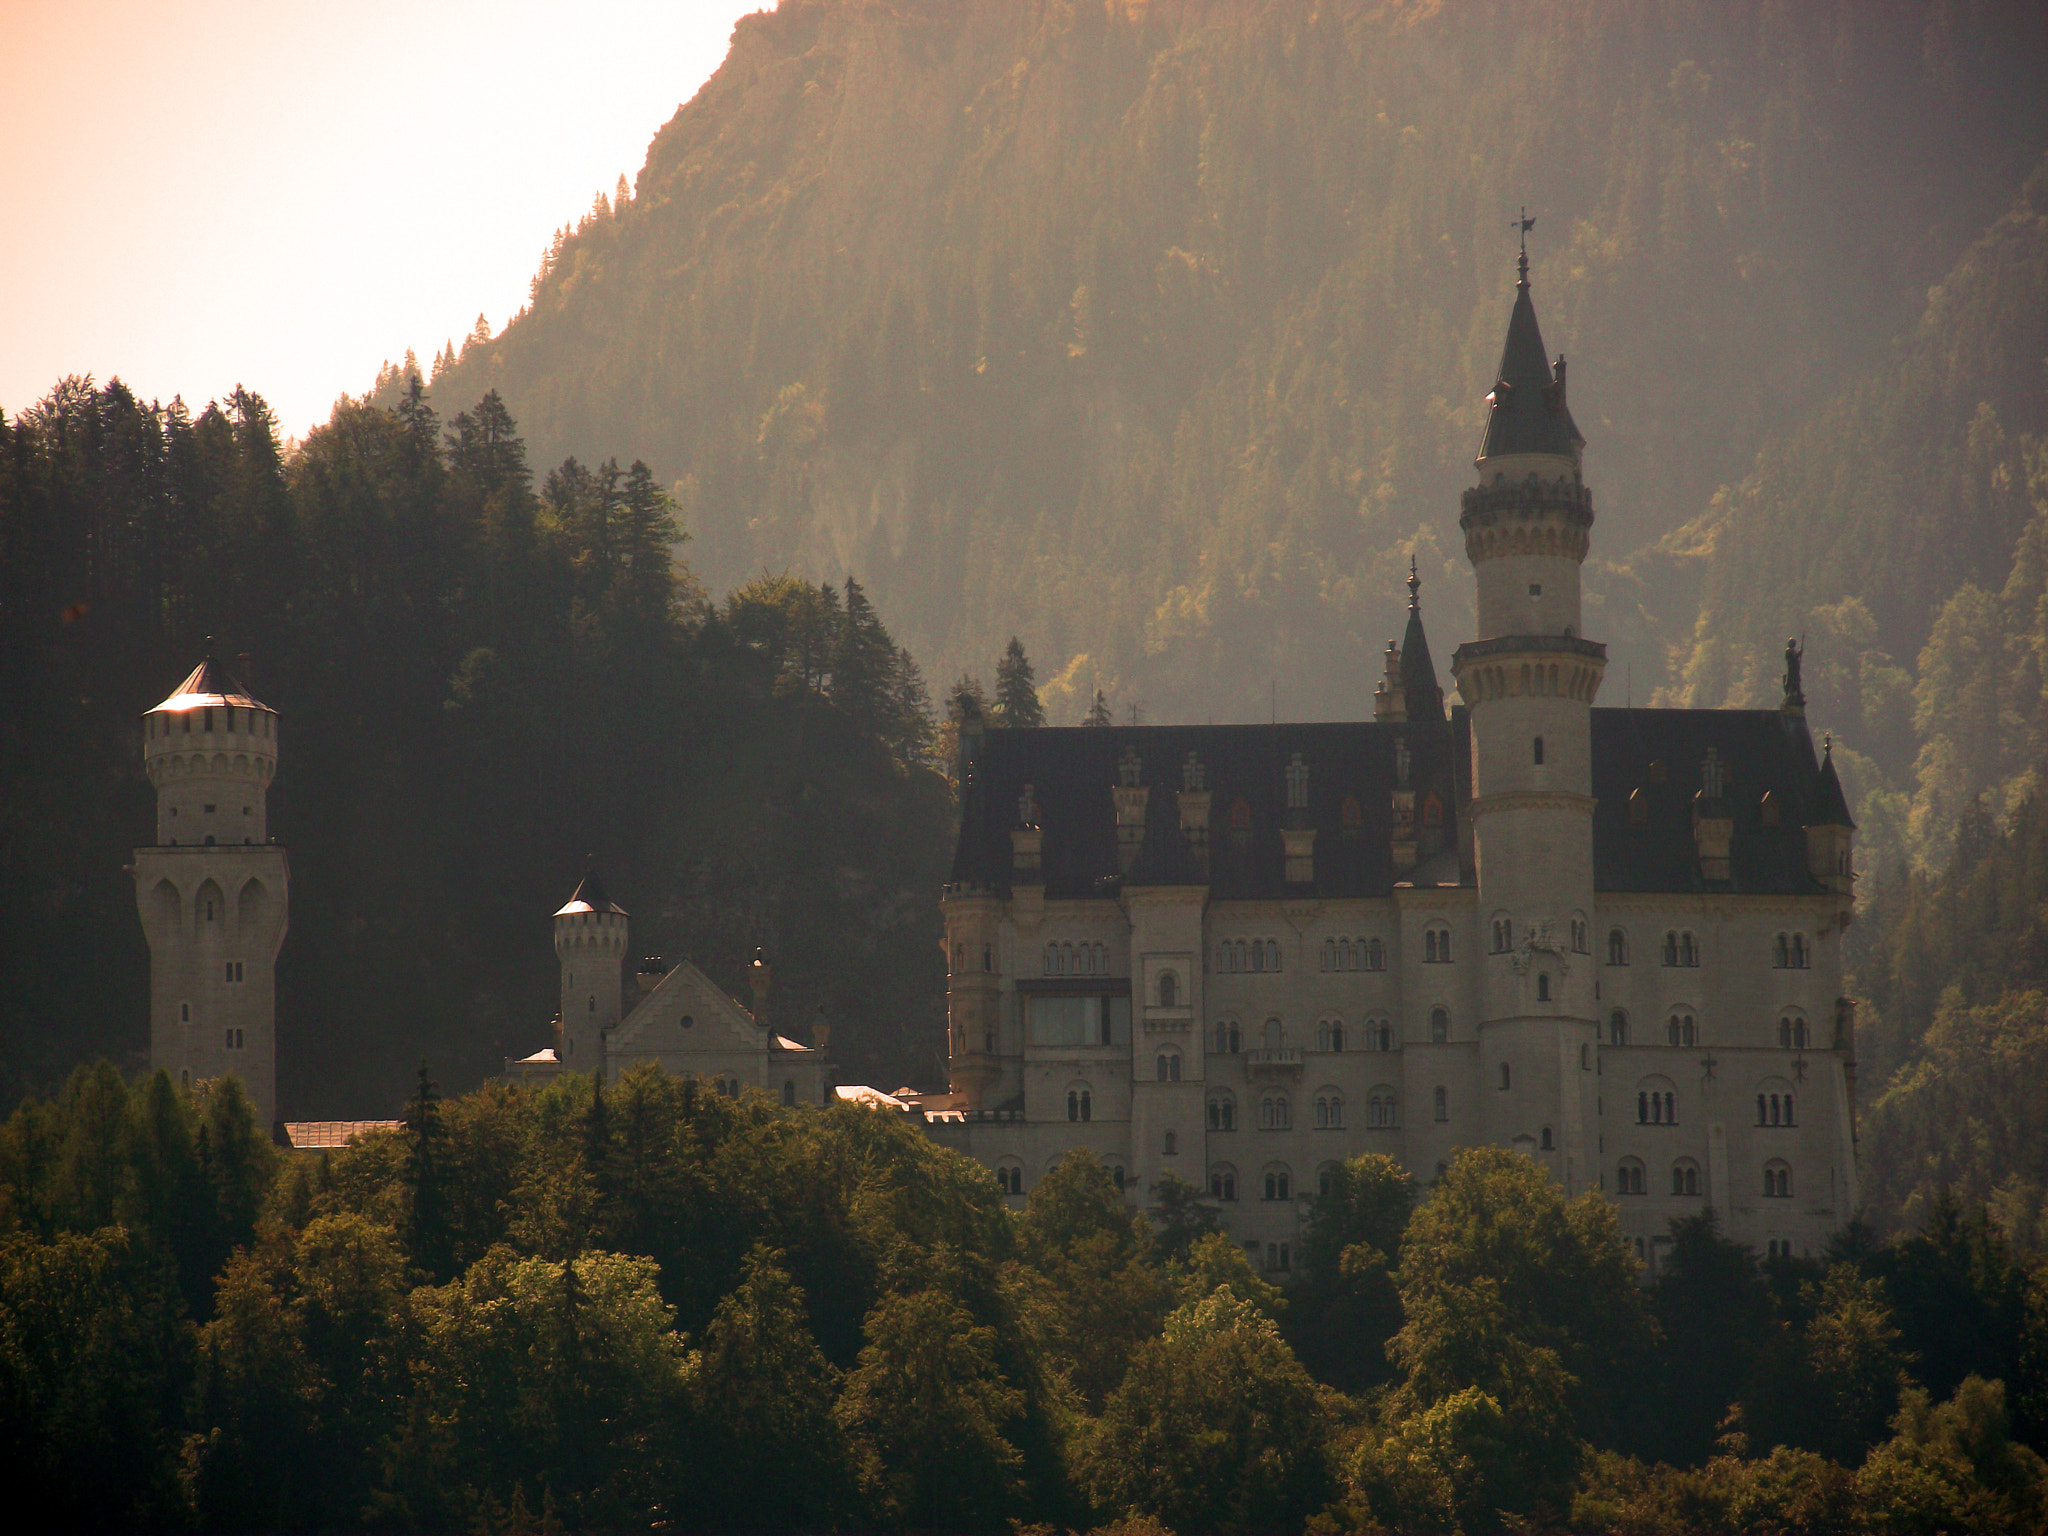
(211, 750)
(1830, 829)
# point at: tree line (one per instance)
(487, 676)
(646, 1304)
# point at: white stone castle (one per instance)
(1608, 938)
(212, 891)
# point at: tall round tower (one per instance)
(212, 891)
(1529, 682)
(590, 941)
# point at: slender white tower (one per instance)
(1529, 681)
(212, 892)
(590, 941)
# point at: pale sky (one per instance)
(285, 194)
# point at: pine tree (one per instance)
(1098, 712)
(622, 194)
(1016, 696)
(426, 1181)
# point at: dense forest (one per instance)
(655, 1307)
(483, 682)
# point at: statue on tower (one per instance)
(1794, 655)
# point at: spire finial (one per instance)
(1523, 223)
(209, 647)
(1414, 588)
(1827, 747)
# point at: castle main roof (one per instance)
(1646, 772)
(209, 686)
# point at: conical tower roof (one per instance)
(590, 897)
(1830, 805)
(1527, 411)
(210, 684)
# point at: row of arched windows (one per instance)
(1681, 948)
(1681, 1028)
(1354, 955)
(1069, 959)
(1774, 1109)
(1258, 955)
(1789, 952)
(1685, 1178)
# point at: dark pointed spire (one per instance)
(1527, 411)
(1830, 805)
(1422, 693)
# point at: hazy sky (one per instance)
(284, 194)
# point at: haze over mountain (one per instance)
(1156, 334)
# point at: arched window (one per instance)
(1169, 989)
(1543, 986)
(1169, 1146)
(1329, 960)
(1067, 960)
(1382, 1109)
(1680, 1029)
(1777, 1179)
(1442, 1103)
(1436, 946)
(788, 1093)
(1277, 1184)
(1780, 953)
(1272, 954)
(1169, 1066)
(1052, 959)
(1799, 952)
(1228, 1041)
(1537, 755)
(1439, 1026)
(1375, 956)
(1336, 1034)
(1656, 1102)
(1010, 1178)
(1273, 1114)
(1617, 1027)
(1273, 1037)
(1617, 947)
(1774, 1103)
(1549, 1145)
(1347, 956)
(1222, 1111)
(1671, 947)
(1628, 1177)
(1223, 1182)
(1685, 1177)
(1504, 1078)
(1688, 948)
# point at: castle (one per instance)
(212, 892)
(1608, 938)
(1236, 955)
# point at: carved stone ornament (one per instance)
(1540, 939)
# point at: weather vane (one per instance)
(1523, 222)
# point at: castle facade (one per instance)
(1608, 938)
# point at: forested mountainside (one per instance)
(1904, 532)
(483, 683)
(1157, 333)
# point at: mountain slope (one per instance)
(1155, 332)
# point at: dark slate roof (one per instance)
(590, 897)
(1072, 770)
(210, 683)
(1761, 750)
(1528, 414)
(1830, 806)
